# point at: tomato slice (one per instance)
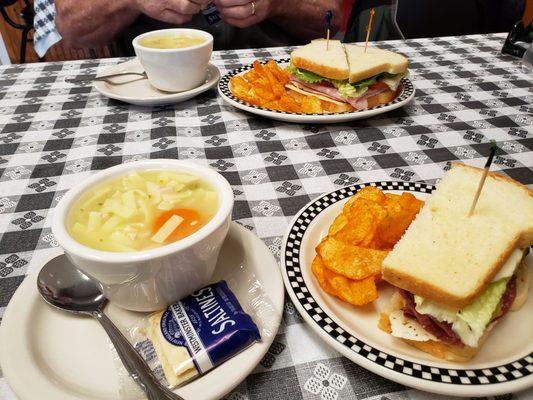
(379, 85)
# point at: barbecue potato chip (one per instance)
(364, 217)
(409, 202)
(289, 104)
(338, 223)
(317, 266)
(400, 213)
(371, 193)
(348, 261)
(281, 75)
(356, 292)
(311, 105)
(351, 261)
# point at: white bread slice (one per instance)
(374, 61)
(448, 257)
(329, 63)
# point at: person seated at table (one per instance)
(243, 23)
(408, 19)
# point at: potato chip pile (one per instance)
(348, 260)
(264, 86)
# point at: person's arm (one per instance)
(97, 22)
(305, 19)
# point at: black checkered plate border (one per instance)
(511, 376)
(406, 94)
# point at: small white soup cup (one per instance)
(150, 280)
(175, 70)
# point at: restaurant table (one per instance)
(54, 134)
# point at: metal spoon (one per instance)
(64, 287)
(106, 78)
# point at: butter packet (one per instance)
(196, 334)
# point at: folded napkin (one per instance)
(44, 23)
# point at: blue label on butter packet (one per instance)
(211, 324)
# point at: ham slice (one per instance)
(319, 88)
(359, 103)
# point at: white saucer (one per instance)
(139, 91)
(48, 354)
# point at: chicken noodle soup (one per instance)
(142, 210)
(171, 41)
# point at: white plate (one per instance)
(138, 91)
(48, 354)
(406, 95)
(504, 363)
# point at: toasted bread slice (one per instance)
(329, 63)
(448, 257)
(374, 61)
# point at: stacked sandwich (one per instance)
(458, 274)
(346, 75)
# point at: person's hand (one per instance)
(171, 11)
(244, 13)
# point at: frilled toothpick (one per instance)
(493, 149)
(369, 27)
(328, 18)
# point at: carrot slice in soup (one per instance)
(192, 221)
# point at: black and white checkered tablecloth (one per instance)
(54, 134)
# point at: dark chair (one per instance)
(431, 18)
(395, 19)
(26, 25)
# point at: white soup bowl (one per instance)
(149, 280)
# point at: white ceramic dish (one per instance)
(406, 95)
(48, 354)
(138, 91)
(150, 280)
(175, 70)
(504, 363)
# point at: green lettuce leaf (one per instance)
(305, 76)
(366, 82)
(347, 90)
(474, 318)
(471, 321)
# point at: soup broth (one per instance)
(142, 210)
(171, 41)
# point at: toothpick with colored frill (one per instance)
(369, 27)
(328, 18)
(493, 148)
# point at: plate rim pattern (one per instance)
(292, 271)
